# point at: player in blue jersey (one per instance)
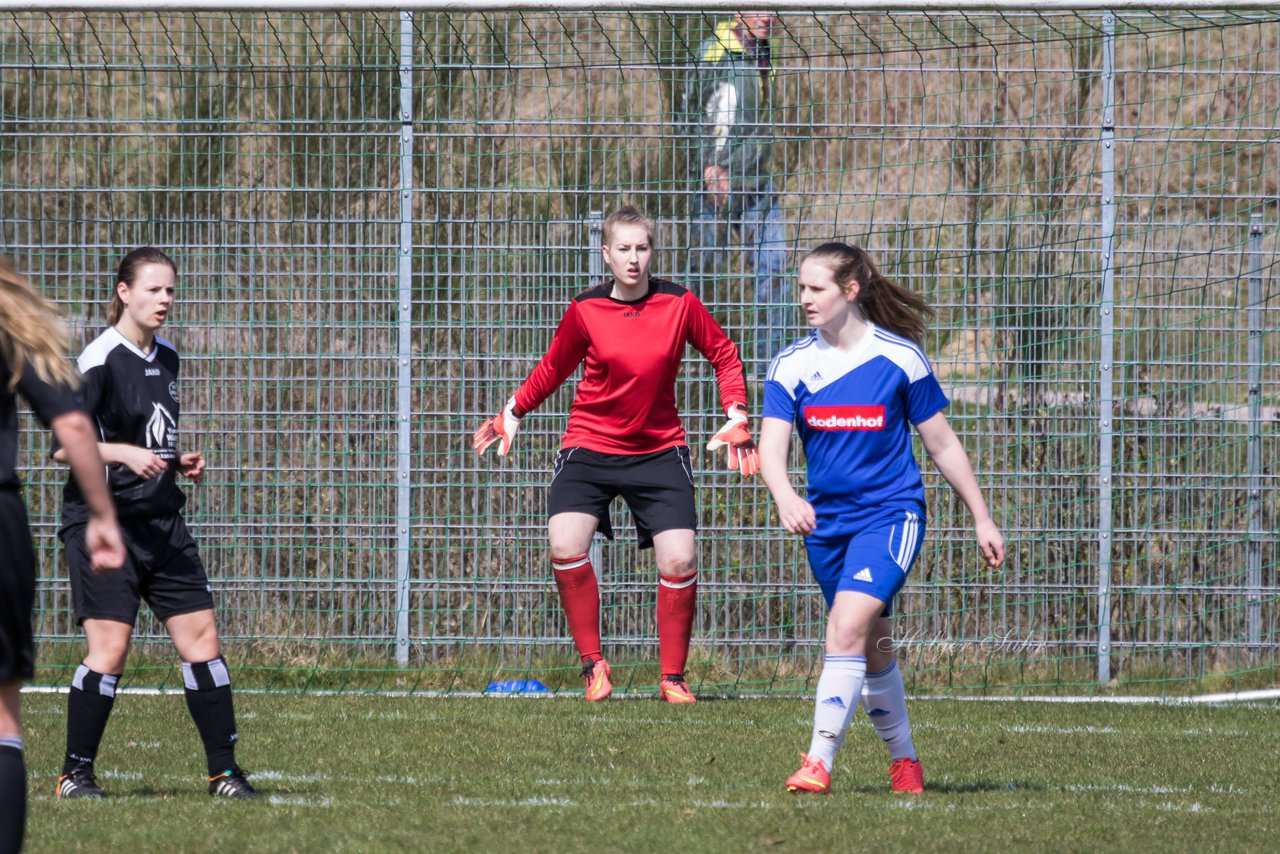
(853, 387)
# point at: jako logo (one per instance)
(844, 417)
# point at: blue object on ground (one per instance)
(515, 686)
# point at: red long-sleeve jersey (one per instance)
(626, 402)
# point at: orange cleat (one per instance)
(906, 775)
(812, 777)
(673, 689)
(596, 674)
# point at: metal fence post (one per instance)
(404, 354)
(1106, 348)
(1253, 538)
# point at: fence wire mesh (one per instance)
(968, 152)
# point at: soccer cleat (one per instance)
(673, 689)
(906, 775)
(596, 674)
(812, 777)
(79, 783)
(232, 784)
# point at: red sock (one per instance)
(677, 601)
(580, 596)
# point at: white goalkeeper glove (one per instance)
(736, 436)
(501, 427)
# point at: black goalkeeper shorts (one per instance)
(657, 487)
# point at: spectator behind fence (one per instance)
(726, 115)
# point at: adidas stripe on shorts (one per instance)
(874, 559)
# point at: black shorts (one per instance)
(658, 488)
(161, 565)
(17, 589)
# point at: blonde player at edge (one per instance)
(852, 388)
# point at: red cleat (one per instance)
(906, 775)
(596, 674)
(812, 777)
(674, 690)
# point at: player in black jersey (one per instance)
(131, 389)
(33, 361)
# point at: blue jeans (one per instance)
(758, 222)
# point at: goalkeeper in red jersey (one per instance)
(625, 438)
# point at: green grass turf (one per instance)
(370, 773)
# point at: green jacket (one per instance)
(726, 111)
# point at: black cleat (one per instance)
(79, 783)
(232, 784)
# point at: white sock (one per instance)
(839, 687)
(886, 703)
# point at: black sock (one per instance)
(209, 701)
(88, 707)
(13, 794)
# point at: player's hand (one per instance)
(991, 541)
(501, 427)
(106, 548)
(736, 436)
(797, 516)
(142, 462)
(192, 465)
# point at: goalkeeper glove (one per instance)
(736, 436)
(502, 426)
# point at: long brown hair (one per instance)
(29, 331)
(885, 303)
(130, 266)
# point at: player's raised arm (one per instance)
(568, 347)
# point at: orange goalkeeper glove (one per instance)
(736, 436)
(501, 427)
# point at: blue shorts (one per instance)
(873, 560)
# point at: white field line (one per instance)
(526, 802)
(298, 801)
(1259, 695)
(1046, 729)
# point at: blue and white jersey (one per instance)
(853, 412)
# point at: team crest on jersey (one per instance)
(162, 432)
(845, 417)
(173, 391)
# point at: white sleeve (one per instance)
(722, 107)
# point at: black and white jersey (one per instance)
(47, 401)
(132, 398)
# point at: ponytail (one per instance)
(900, 310)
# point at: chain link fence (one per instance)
(380, 217)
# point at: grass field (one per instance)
(370, 773)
